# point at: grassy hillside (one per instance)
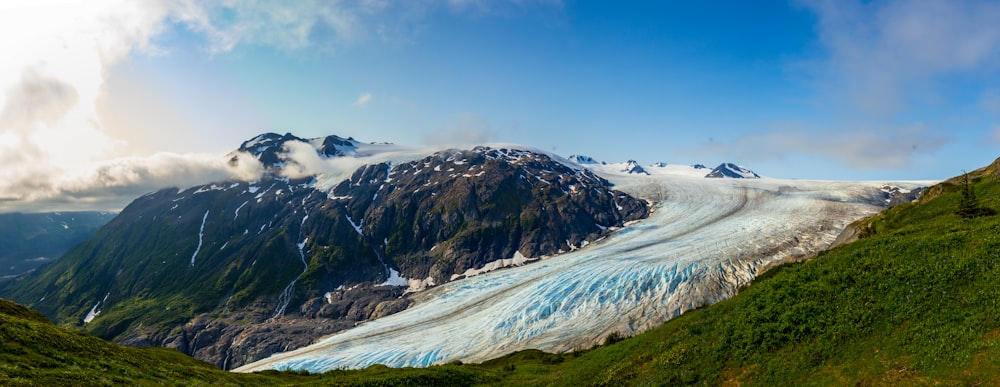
(916, 302)
(34, 352)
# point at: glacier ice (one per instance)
(704, 240)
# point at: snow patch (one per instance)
(201, 237)
(93, 313)
(517, 260)
(417, 285)
(395, 279)
(357, 227)
(238, 209)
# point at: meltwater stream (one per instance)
(705, 239)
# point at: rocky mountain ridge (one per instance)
(231, 272)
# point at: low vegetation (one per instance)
(915, 302)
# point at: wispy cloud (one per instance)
(881, 63)
(304, 161)
(362, 100)
(858, 148)
(883, 55)
(467, 129)
(109, 185)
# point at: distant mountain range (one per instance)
(28, 241)
(632, 167)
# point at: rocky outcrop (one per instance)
(732, 171)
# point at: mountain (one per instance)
(730, 170)
(231, 272)
(703, 241)
(856, 314)
(29, 240)
(582, 160)
(632, 167)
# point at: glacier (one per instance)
(704, 240)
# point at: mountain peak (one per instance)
(582, 160)
(268, 147)
(632, 167)
(730, 170)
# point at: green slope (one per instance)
(916, 302)
(34, 352)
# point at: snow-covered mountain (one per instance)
(730, 170)
(334, 233)
(632, 167)
(582, 160)
(418, 256)
(704, 239)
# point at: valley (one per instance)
(705, 239)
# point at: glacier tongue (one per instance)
(705, 239)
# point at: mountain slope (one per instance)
(705, 239)
(912, 304)
(34, 352)
(29, 240)
(234, 271)
(733, 171)
(858, 314)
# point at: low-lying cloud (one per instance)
(110, 185)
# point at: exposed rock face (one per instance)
(234, 272)
(632, 167)
(733, 171)
(582, 159)
(894, 195)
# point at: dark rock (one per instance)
(733, 171)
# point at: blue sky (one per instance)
(802, 89)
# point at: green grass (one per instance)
(916, 302)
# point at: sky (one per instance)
(102, 101)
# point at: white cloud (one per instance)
(304, 161)
(56, 54)
(885, 54)
(882, 63)
(110, 185)
(363, 100)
